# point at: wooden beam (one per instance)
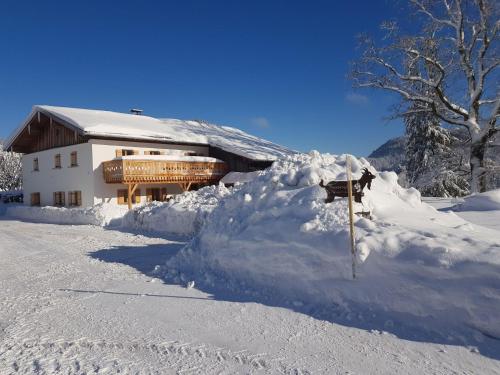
(130, 191)
(184, 186)
(134, 187)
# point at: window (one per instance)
(35, 164)
(156, 194)
(75, 198)
(152, 152)
(35, 199)
(74, 159)
(59, 198)
(126, 152)
(123, 196)
(192, 153)
(57, 161)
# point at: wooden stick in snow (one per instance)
(351, 214)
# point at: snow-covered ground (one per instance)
(256, 278)
(81, 300)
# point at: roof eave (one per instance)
(34, 111)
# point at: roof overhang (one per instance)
(35, 116)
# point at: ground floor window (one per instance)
(35, 199)
(156, 194)
(59, 198)
(122, 196)
(75, 198)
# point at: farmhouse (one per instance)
(82, 157)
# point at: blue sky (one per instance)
(276, 69)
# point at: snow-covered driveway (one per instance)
(77, 300)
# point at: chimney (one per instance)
(136, 111)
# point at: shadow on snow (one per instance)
(405, 326)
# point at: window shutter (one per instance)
(121, 196)
(137, 195)
(35, 199)
(78, 198)
(146, 152)
(74, 159)
(119, 153)
(162, 152)
(57, 161)
(135, 152)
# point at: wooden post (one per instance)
(351, 214)
(129, 196)
(130, 191)
(184, 186)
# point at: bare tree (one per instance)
(452, 57)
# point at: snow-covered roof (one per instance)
(129, 126)
(171, 158)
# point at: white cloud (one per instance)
(358, 99)
(261, 122)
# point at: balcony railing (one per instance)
(163, 171)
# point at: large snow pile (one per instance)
(102, 214)
(275, 235)
(183, 215)
(481, 202)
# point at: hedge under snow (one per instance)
(103, 214)
(276, 235)
(183, 215)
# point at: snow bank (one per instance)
(481, 202)
(276, 236)
(102, 214)
(239, 177)
(183, 215)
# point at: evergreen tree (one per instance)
(431, 165)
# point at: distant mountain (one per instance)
(390, 156)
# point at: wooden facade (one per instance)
(44, 132)
(238, 163)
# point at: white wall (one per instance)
(48, 179)
(104, 150)
(88, 177)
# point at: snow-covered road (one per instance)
(78, 300)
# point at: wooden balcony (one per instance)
(184, 173)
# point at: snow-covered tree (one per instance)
(431, 165)
(459, 73)
(10, 170)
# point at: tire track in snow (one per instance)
(98, 356)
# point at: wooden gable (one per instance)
(44, 132)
